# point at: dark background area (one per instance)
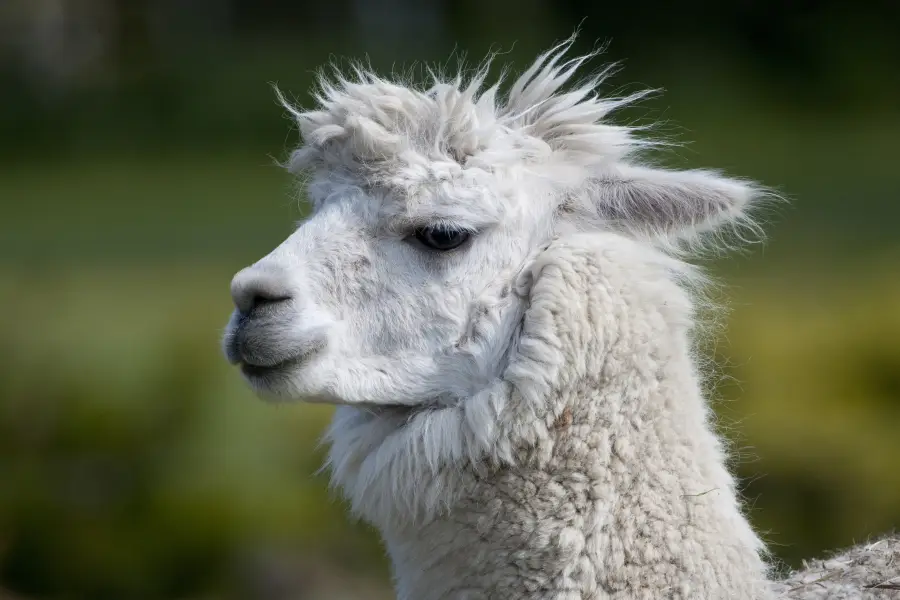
(138, 141)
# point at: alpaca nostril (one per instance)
(254, 288)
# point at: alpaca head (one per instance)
(400, 287)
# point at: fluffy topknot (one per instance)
(397, 134)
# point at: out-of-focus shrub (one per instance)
(814, 370)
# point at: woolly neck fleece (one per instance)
(589, 469)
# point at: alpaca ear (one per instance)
(679, 204)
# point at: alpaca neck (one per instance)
(622, 500)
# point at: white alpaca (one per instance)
(491, 290)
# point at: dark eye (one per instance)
(441, 238)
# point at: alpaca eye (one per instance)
(441, 238)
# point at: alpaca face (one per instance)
(400, 288)
(378, 300)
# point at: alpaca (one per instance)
(492, 290)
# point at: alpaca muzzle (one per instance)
(274, 329)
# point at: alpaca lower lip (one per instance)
(257, 371)
(262, 371)
(254, 371)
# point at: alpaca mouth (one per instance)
(270, 373)
(265, 348)
(260, 363)
(259, 371)
(267, 377)
(285, 366)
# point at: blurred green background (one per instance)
(137, 175)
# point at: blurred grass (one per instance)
(151, 209)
